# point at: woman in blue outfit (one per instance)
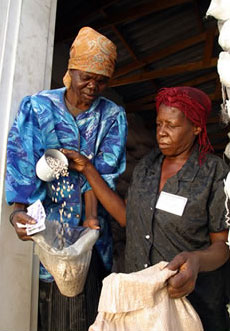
(74, 117)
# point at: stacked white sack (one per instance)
(220, 9)
(223, 68)
(224, 34)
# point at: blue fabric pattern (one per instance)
(44, 122)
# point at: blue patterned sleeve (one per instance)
(110, 160)
(24, 148)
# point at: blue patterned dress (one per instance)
(44, 122)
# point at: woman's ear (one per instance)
(197, 130)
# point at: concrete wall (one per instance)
(26, 39)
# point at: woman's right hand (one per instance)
(77, 161)
(21, 218)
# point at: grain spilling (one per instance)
(58, 166)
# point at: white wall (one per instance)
(26, 39)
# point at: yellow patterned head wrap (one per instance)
(91, 52)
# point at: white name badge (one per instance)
(171, 203)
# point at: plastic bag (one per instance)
(69, 266)
(220, 9)
(140, 301)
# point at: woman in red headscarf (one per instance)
(175, 207)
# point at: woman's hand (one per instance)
(189, 264)
(21, 218)
(77, 161)
(183, 283)
(92, 223)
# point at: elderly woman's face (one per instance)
(175, 133)
(86, 85)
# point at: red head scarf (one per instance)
(196, 106)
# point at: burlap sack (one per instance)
(139, 302)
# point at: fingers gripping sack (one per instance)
(140, 301)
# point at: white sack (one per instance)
(223, 68)
(224, 36)
(220, 9)
(228, 93)
(227, 154)
(139, 301)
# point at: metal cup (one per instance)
(43, 170)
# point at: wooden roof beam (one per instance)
(147, 102)
(121, 37)
(201, 80)
(194, 82)
(139, 11)
(217, 95)
(198, 16)
(125, 43)
(168, 71)
(176, 47)
(208, 49)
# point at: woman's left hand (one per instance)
(183, 283)
(189, 264)
(92, 223)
